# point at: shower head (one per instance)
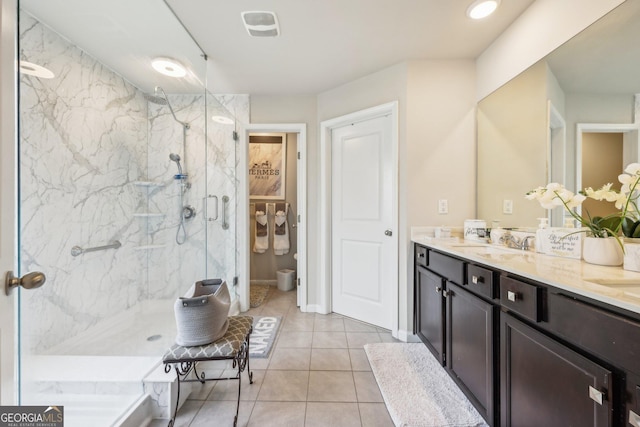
(159, 97)
(176, 158)
(154, 99)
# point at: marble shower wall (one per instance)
(88, 139)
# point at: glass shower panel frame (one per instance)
(221, 200)
(95, 169)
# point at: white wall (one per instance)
(437, 152)
(436, 145)
(544, 26)
(297, 109)
(439, 156)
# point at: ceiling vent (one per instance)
(261, 24)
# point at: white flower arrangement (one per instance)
(627, 220)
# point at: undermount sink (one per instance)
(629, 287)
(487, 249)
(615, 282)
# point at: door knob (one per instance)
(388, 232)
(28, 281)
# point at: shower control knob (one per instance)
(188, 212)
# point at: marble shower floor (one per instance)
(317, 375)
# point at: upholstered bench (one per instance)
(234, 345)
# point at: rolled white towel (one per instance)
(261, 243)
(281, 244)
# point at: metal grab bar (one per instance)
(225, 201)
(77, 250)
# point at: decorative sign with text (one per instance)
(267, 165)
(565, 242)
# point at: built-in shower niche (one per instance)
(150, 218)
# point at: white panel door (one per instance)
(363, 243)
(7, 200)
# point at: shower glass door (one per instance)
(117, 162)
(221, 202)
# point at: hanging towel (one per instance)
(281, 230)
(261, 243)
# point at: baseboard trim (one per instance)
(406, 336)
(315, 308)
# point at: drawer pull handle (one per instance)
(634, 419)
(475, 280)
(446, 293)
(596, 395)
(438, 289)
(512, 296)
(421, 255)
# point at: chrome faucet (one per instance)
(510, 241)
(525, 243)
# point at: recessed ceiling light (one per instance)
(261, 24)
(482, 8)
(169, 67)
(35, 70)
(222, 120)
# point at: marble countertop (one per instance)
(611, 285)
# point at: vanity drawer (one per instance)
(421, 256)
(480, 281)
(607, 335)
(521, 298)
(446, 266)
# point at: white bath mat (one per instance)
(417, 390)
(265, 330)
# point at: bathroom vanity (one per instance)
(531, 339)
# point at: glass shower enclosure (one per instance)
(127, 197)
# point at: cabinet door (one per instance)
(431, 311)
(544, 383)
(470, 351)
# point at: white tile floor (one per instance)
(316, 375)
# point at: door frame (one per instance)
(602, 128)
(244, 237)
(9, 361)
(326, 127)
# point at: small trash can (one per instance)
(286, 277)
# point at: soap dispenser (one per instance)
(496, 232)
(541, 234)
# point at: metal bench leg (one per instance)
(182, 369)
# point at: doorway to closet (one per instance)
(273, 250)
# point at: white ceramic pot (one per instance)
(602, 251)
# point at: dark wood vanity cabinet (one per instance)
(470, 351)
(458, 326)
(544, 383)
(526, 353)
(430, 313)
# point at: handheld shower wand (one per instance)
(176, 158)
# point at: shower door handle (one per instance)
(225, 201)
(28, 281)
(214, 209)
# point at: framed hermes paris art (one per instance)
(267, 166)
